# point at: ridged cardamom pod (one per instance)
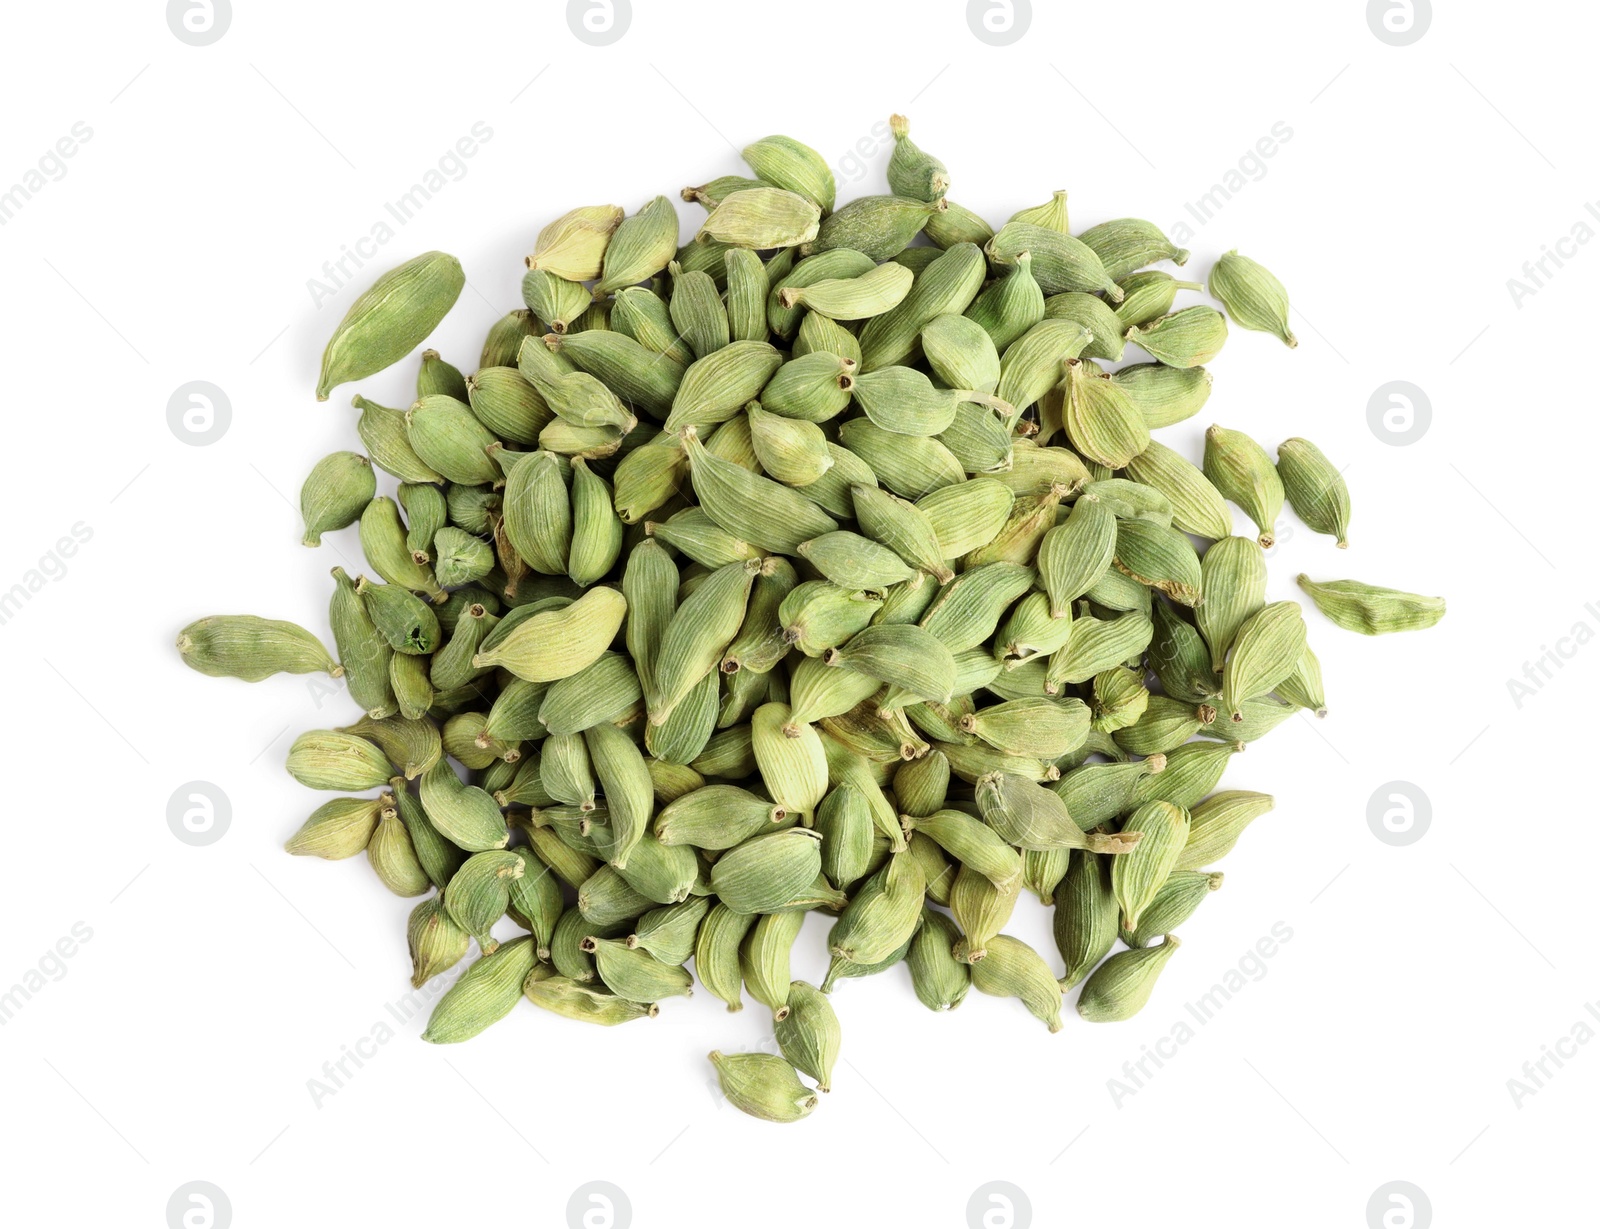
(875, 226)
(883, 914)
(485, 994)
(1012, 969)
(1052, 215)
(575, 1000)
(808, 1033)
(767, 871)
(1122, 985)
(1371, 609)
(1085, 919)
(391, 319)
(1060, 262)
(912, 172)
(635, 974)
(716, 953)
(697, 312)
(1234, 584)
(641, 246)
(764, 218)
(574, 245)
(251, 648)
(1255, 299)
(1137, 876)
(794, 166)
(1197, 506)
(1126, 244)
(1011, 305)
(554, 644)
(1174, 904)
(1165, 395)
(437, 944)
(946, 286)
(1266, 650)
(335, 494)
(1188, 338)
(478, 893)
(940, 980)
(337, 829)
(763, 1086)
(1242, 471)
(1315, 489)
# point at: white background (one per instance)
(177, 1043)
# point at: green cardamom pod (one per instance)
(763, 1086)
(1371, 609)
(437, 944)
(1188, 338)
(639, 248)
(483, 995)
(1121, 986)
(1255, 299)
(1060, 262)
(1012, 969)
(1085, 918)
(913, 173)
(1266, 650)
(251, 648)
(391, 319)
(1316, 490)
(1242, 471)
(574, 245)
(1137, 876)
(337, 829)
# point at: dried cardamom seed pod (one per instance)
(808, 1033)
(335, 494)
(1188, 338)
(1315, 489)
(794, 166)
(1060, 262)
(763, 1086)
(1371, 609)
(1137, 876)
(914, 173)
(1121, 986)
(1241, 470)
(337, 829)
(939, 979)
(251, 648)
(1012, 969)
(390, 319)
(640, 247)
(483, 995)
(1255, 299)
(574, 245)
(875, 226)
(1266, 650)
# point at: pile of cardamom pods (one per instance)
(823, 562)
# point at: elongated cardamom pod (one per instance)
(1371, 609)
(390, 319)
(1255, 299)
(1315, 489)
(485, 994)
(251, 648)
(764, 217)
(1122, 985)
(1188, 338)
(1266, 650)
(574, 245)
(1241, 470)
(763, 1086)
